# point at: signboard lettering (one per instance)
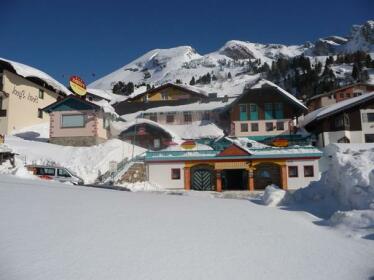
(21, 94)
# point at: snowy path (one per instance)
(54, 231)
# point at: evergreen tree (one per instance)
(355, 72)
(192, 82)
(229, 75)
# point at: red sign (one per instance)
(77, 85)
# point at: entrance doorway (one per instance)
(202, 178)
(266, 174)
(234, 179)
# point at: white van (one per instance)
(56, 173)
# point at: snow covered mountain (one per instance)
(231, 65)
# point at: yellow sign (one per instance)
(78, 85)
(280, 142)
(188, 145)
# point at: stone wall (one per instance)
(77, 141)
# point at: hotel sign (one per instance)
(77, 85)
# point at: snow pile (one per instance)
(355, 222)
(345, 194)
(273, 196)
(22, 172)
(86, 162)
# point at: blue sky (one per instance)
(96, 37)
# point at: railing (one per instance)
(122, 167)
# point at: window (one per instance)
(253, 112)
(153, 117)
(342, 122)
(348, 95)
(269, 126)
(206, 116)
(156, 143)
(370, 117)
(1, 102)
(187, 117)
(308, 171)
(170, 118)
(369, 138)
(268, 111)
(278, 110)
(41, 94)
(341, 95)
(164, 95)
(40, 113)
(72, 121)
(280, 125)
(175, 174)
(293, 171)
(244, 127)
(62, 173)
(254, 126)
(243, 112)
(45, 171)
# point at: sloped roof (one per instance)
(104, 94)
(262, 83)
(333, 109)
(190, 89)
(71, 101)
(339, 89)
(31, 72)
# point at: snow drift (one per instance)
(344, 196)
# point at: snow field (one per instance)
(53, 231)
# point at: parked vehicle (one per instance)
(56, 173)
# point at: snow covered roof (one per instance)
(259, 149)
(338, 89)
(335, 108)
(254, 149)
(5, 149)
(194, 130)
(191, 89)
(197, 106)
(29, 72)
(104, 94)
(262, 82)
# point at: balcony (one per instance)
(2, 113)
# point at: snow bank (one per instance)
(344, 196)
(86, 162)
(273, 196)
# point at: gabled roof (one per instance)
(32, 73)
(262, 83)
(233, 150)
(103, 94)
(69, 103)
(336, 108)
(190, 89)
(339, 89)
